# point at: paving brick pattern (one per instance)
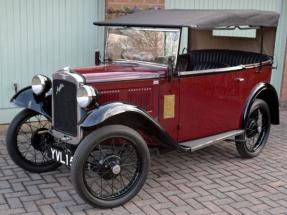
(211, 181)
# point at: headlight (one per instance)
(40, 84)
(86, 95)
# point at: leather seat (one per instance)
(208, 65)
(215, 58)
(182, 62)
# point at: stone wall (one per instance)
(121, 7)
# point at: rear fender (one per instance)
(129, 115)
(25, 98)
(267, 93)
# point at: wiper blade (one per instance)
(108, 60)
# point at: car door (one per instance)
(210, 103)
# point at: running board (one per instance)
(197, 144)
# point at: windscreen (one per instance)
(142, 44)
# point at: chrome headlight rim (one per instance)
(40, 84)
(86, 95)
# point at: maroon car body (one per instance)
(210, 100)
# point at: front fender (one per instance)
(105, 112)
(129, 115)
(27, 99)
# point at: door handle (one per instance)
(239, 79)
(258, 70)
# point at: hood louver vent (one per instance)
(107, 96)
(141, 97)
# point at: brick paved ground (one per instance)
(211, 181)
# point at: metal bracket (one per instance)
(15, 85)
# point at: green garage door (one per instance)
(272, 5)
(42, 37)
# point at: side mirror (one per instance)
(170, 68)
(97, 57)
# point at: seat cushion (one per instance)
(207, 65)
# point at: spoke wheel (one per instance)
(257, 130)
(110, 166)
(28, 142)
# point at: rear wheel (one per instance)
(110, 166)
(28, 142)
(252, 142)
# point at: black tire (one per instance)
(17, 154)
(254, 132)
(94, 143)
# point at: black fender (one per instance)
(267, 93)
(129, 115)
(27, 99)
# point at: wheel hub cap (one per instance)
(110, 167)
(252, 129)
(259, 129)
(116, 169)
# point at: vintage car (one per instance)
(151, 89)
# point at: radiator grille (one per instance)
(65, 107)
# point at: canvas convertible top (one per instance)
(198, 19)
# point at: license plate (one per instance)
(60, 156)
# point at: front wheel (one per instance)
(110, 166)
(256, 134)
(28, 141)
